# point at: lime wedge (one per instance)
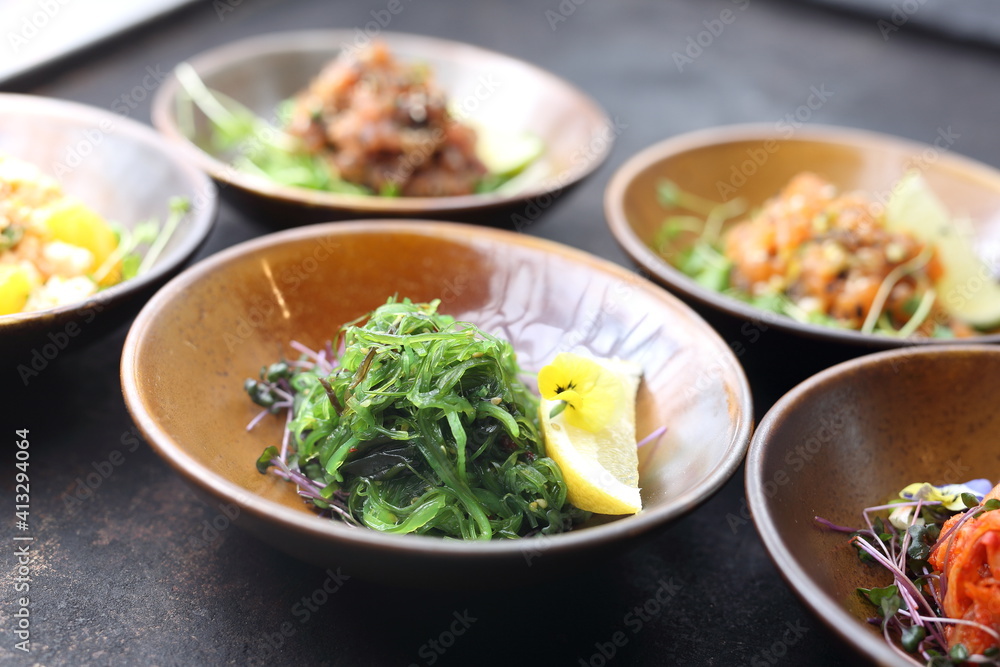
(507, 154)
(967, 288)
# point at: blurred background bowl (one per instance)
(216, 324)
(755, 162)
(852, 437)
(126, 172)
(494, 90)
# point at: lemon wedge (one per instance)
(601, 467)
(967, 288)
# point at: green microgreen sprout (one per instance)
(909, 609)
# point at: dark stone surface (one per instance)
(130, 573)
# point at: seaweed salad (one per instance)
(411, 422)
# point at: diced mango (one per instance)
(15, 286)
(75, 223)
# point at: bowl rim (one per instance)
(675, 279)
(741, 407)
(221, 57)
(201, 217)
(827, 608)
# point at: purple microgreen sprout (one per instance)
(918, 591)
(654, 436)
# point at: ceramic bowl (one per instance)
(852, 437)
(195, 342)
(126, 172)
(489, 88)
(754, 162)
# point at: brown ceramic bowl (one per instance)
(754, 162)
(216, 324)
(126, 172)
(494, 90)
(852, 437)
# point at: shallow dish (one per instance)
(126, 172)
(490, 88)
(216, 324)
(852, 437)
(754, 162)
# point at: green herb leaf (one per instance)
(259, 393)
(959, 653)
(11, 236)
(887, 599)
(918, 549)
(276, 371)
(970, 500)
(264, 462)
(911, 637)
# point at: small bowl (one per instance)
(754, 162)
(216, 324)
(127, 173)
(852, 437)
(491, 88)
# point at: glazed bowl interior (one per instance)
(754, 162)
(852, 437)
(490, 89)
(191, 348)
(123, 170)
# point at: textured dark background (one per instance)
(132, 575)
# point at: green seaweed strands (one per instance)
(422, 427)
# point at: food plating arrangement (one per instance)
(373, 375)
